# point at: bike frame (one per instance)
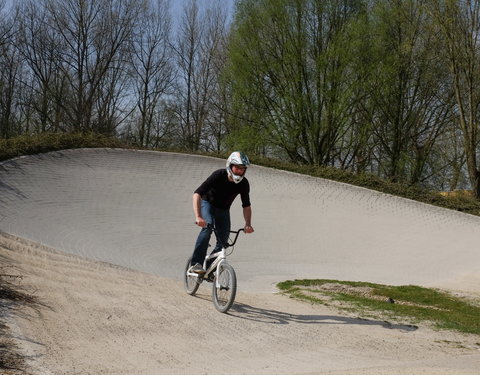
(221, 256)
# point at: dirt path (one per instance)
(96, 318)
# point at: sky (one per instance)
(177, 5)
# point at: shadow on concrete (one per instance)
(248, 312)
(243, 311)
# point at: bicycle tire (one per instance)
(191, 283)
(224, 294)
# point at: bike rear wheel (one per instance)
(225, 288)
(191, 283)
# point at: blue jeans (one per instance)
(220, 218)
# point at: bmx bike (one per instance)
(218, 272)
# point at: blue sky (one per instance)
(177, 5)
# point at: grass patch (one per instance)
(416, 304)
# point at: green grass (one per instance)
(412, 303)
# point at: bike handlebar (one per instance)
(226, 245)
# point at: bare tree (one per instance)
(10, 71)
(201, 36)
(94, 35)
(40, 47)
(153, 70)
(187, 50)
(5, 25)
(213, 100)
(113, 105)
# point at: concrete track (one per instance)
(133, 208)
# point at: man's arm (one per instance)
(247, 215)
(197, 198)
(197, 210)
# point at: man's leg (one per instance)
(203, 239)
(222, 223)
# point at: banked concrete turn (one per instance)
(133, 208)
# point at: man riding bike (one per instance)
(212, 201)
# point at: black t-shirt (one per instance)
(221, 192)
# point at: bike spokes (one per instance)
(191, 282)
(224, 288)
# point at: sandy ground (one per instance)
(96, 318)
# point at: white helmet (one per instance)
(237, 158)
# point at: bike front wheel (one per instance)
(191, 283)
(225, 288)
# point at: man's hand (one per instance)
(200, 221)
(248, 229)
(197, 210)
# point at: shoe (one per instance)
(197, 268)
